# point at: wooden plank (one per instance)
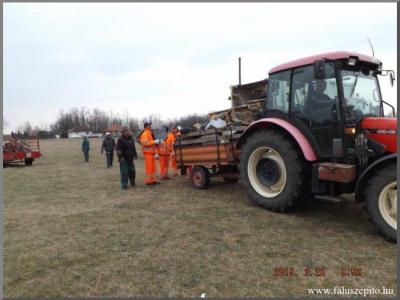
(203, 149)
(204, 157)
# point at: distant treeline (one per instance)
(97, 121)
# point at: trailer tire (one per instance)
(272, 171)
(381, 201)
(28, 161)
(200, 177)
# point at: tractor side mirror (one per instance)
(392, 79)
(319, 69)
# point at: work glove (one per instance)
(156, 156)
(157, 141)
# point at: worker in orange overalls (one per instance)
(150, 154)
(165, 151)
(175, 133)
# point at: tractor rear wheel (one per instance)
(272, 171)
(200, 177)
(381, 200)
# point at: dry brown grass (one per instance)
(70, 231)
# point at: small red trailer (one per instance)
(21, 150)
(213, 153)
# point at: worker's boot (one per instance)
(153, 183)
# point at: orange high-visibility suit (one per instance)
(165, 150)
(149, 151)
(173, 157)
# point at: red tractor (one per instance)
(323, 132)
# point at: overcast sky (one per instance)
(169, 59)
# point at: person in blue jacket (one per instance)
(85, 148)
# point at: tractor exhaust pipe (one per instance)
(240, 70)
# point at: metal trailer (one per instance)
(24, 150)
(200, 162)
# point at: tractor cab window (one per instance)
(361, 95)
(278, 91)
(314, 102)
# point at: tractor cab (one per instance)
(330, 97)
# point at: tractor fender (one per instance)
(368, 172)
(293, 131)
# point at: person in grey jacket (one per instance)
(108, 146)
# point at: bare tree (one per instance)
(156, 121)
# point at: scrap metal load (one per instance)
(214, 143)
(247, 104)
(208, 147)
(212, 135)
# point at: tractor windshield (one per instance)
(361, 95)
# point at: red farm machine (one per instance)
(17, 150)
(315, 126)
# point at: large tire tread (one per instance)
(296, 186)
(375, 184)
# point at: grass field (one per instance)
(69, 230)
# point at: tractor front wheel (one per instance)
(272, 170)
(381, 200)
(28, 161)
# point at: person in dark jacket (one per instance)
(108, 146)
(126, 152)
(85, 147)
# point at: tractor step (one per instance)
(336, 172)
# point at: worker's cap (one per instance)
(146, 124)
(108, 133)
(123, 129)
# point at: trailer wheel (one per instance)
(231, 179)
(272, 171)
(200, 177)
(381, 200)
(28, 161)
